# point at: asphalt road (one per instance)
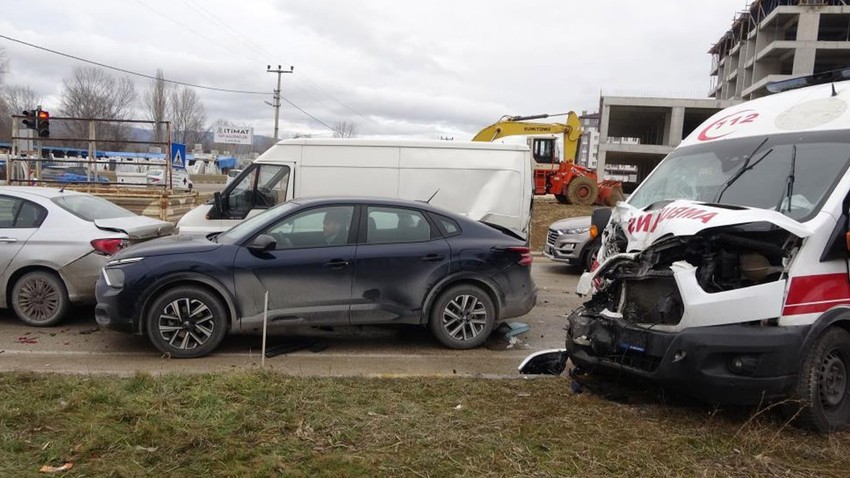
(79, 346)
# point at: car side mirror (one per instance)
(262, 243)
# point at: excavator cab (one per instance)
(544, 150)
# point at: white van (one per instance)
(484, 181)
(725, 274)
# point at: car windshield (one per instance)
(789, 173)
(245, 228)
(90, 208)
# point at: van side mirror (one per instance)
(262, 243)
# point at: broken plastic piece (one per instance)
(510, 329)
(56, 469)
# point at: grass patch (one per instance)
(262, 424)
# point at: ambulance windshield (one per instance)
(790, 173)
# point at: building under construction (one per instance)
(778, 39)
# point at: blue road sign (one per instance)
(178, 155)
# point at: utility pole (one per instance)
(276, 104)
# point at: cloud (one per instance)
(416, 69)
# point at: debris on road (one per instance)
(23, 339)
(89, 331)
(294, 345)
(56, 469)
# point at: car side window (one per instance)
(387, 225)
(20, 214)
(447, 226)
(320, 227)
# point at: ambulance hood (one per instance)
(687, 218)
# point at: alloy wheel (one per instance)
(38, 299)
(464, 317)
(186, 323)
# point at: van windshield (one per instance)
(789, 173)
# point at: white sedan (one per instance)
(53, 244)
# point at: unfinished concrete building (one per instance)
(778, 39)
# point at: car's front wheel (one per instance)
(40, 299)
(462, 317)
(186, 322)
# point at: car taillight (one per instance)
(525, 258)
(108, 246)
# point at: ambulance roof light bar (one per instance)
(816, 79)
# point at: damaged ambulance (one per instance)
(725, 275)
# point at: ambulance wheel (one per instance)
(822, 395)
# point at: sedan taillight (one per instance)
(108, 246)
(525, 258)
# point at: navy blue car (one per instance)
(324, 261)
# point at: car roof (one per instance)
(44, 192)
(382, 201)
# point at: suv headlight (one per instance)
(576, 230)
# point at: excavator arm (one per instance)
(521, 126)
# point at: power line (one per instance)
(317, 120)
(175, 82)
(130, 72)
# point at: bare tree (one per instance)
(156, 104)
(344, 129)
(19, 98)
(188, 116)
(92, 93)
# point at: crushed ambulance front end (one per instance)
(689, 295)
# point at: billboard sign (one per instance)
(233, 135)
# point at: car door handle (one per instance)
(433, 258)
(8, 239)
(336, 264)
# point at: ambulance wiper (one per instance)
(789, 181)
(746, 167)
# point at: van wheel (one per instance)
(823, 385)
(462, 317)
(40, 299)
(186, 322)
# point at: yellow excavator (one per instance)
(569, 182)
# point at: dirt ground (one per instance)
(546, 211)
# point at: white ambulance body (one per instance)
(725, 274)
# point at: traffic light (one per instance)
(29, 118)
(42, 124)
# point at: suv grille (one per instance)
(552, 237)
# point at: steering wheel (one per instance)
(282, 240)
(263, 197)
(684, 190)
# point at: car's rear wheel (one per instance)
(462, 317)
(40, 299)
(186, 322)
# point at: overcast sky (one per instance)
(392, 67)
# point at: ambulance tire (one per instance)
(821, 400)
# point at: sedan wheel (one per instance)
(40, 299)
(462, 317)
(187, 322)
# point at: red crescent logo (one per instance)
(729, 123)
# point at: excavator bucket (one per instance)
(610, 192)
